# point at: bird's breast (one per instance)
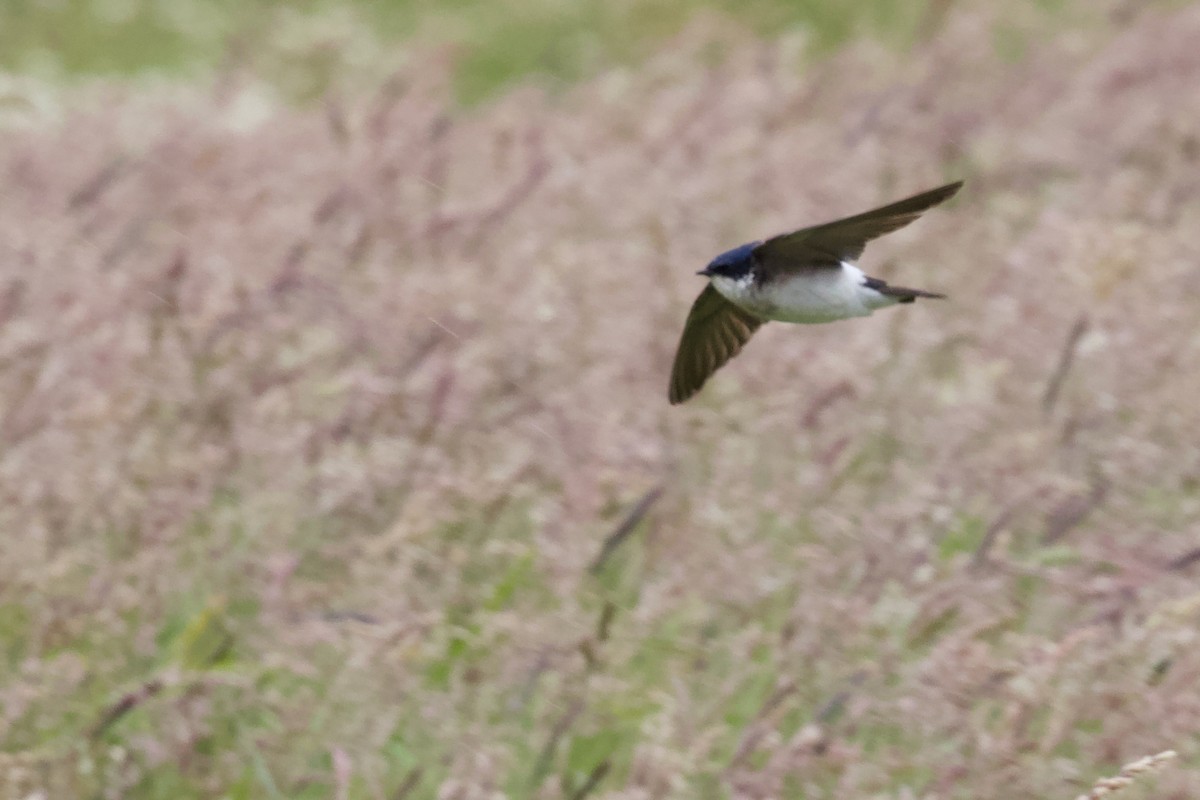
(810, 296)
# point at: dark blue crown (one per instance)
(733, 263)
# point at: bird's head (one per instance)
(735, 264)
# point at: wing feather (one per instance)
(715, 332)
(845, 239)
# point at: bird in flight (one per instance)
(807, 276)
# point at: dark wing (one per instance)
(845, 239)
(714, 332)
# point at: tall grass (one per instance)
(315, 423)
(306, 48)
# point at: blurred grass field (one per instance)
(334, 443)
(304, 47)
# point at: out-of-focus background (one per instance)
(335, 456)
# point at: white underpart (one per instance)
(818, 295)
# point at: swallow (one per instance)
(807, 276)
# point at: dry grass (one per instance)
(1128, 774)
(314, 421)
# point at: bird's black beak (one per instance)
(706, 272)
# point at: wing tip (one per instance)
(949, 190)
(678, 393)
(932, 197)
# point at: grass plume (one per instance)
(1128, 774)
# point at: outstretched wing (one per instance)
(714, 332)
(845, 239)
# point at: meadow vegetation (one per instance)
(303, 47)
(336, 459)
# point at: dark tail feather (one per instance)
(909, 295)
(901, 294)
